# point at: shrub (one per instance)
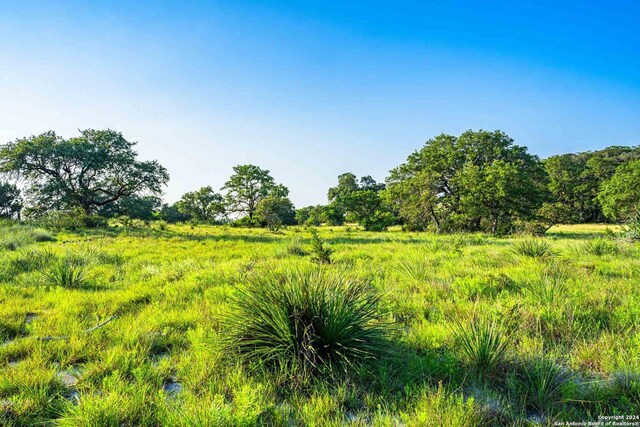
(483, 342)
(542, 384)
(534, 248)
(600, 246)
(418, 270)
(321, 253)
(39, 235)
(294, 247)
(307, 321)
(67, 273)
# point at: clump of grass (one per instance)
(600, 247)
(542, 384)
(534, 248)
(67, 273)
(30, 260)
(549, 291)
(418, 270)
(321, 253)
(295, 247)
(484, 343)
(39, 235)
(307, 321)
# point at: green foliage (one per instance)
(575, 180)
(361, 202)
(136, 207)
(307, 322)
(87, 172)
(295, 247)
(534, 248)
(620, 196)
(204, 205)
(600, 246)
(543, 384)
(276, 209)
(247, 186)
(10, 200)
(477, 181)
(321, 252)
(67, 273)
(484, 343)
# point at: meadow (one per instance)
(126, 326)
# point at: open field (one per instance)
(126, 328)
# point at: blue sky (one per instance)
(313, 89)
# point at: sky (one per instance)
(313, 89)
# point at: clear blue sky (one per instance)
(313, 89)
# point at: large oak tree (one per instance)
(88, 172)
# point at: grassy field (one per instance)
(126, 327)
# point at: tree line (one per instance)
(477, 181)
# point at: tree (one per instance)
(477, 181)
(575, 179)
(361, 202)
(276, 209)
(10, 200)
(88, 172)
(135, 207)
(620, 195)
(204, 205)
(246, 188)
(172, 214)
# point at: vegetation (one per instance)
(215, 325)
(87, 172)
(119, 309)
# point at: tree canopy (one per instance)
(247, 186)
(10, 200)
(204, 205)
(361, 202)
(477, 181)
(88, 172)
(620, 195)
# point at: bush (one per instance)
(542, 384)
(306, 322)
(294, 247)
(599, 247)
(534, 248)
(483, 342)
(67, 273)
(321, 253)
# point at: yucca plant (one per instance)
(418, 269)
(483, 342)
(600, 246)
(534, 248)
(66, 273)
(542, 384)
(306, 321)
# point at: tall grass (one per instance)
(534, 248)
(67, 273)
(307, 321)
(484, 343)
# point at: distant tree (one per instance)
(10, 200)
(276, 209)
(172, 214)
(478, 181)
(246, 188)
(302, 214)
(136, 207)
(575, 179)
(620, 195)
(88, 172)
(204, 205)
(361, 202)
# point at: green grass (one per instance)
(131, 327)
